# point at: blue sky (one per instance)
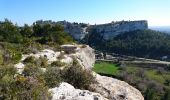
(157, 12)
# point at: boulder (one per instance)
(67, 92)
(114, 89)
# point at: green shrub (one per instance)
(53, 77)
(29, 59)
(32, 70)
(16, 56)
(78, 77)
(29, 88)
(57, 64)
(1, 58)
(43, 62)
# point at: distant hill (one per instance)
(79, 30)
(140, 43)
(165, 29)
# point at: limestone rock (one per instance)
(115, 89)
(67, 92)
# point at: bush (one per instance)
(29, 88)
(32, 70)
(57, 64)
(29, 59)
(78, 77)
(16, 56)
(43, 62)
(53, 77)
(1, 58)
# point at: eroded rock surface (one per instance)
(105, 87)
(115, 89)
(67, 92)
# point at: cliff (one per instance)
(108, 31)
(79, 30)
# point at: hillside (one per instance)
(43, 62)
(140, 43)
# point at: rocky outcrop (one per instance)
(67, 92)
(82, 53)
(104, 88)
(114, 89)
(108, 31)
(79, 30)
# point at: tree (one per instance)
(26, 31)
(10, 32)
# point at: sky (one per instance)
(157, 12)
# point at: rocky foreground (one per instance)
(105, 88)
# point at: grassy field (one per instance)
(106, 68)
(152, 74)
(142, 78)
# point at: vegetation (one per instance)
(140, 43)
(57, 64)
(106, 68)
(19, 87)
(33, 83)
(153, 83)
(78, 77)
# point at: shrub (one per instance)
(29, 88)
(52, 77)
(78, 77)
(1, 58)
(16, 56)
(32, 70)
(29, 59)
(57, 64)
(43, 62)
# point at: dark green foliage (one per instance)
(141, 43)
(57, 64)
(9, 32)
(30, 59)
(26, 31)
(78, 77)
(53, 77)
(51, 33)
(167, 95)
(94, 39)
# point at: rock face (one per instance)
(110, 30)
(114, 89)
(67, 92)
(82, 53)
(79, 30)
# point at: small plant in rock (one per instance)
(57, 64)
(43, 62)
(30, 59)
